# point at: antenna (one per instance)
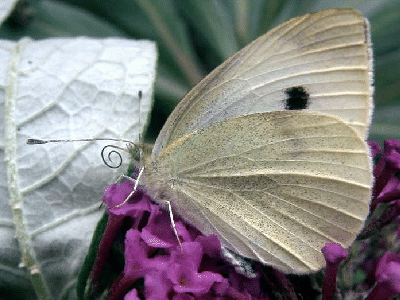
(39, 141)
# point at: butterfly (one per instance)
(268, 151)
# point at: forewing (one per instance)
(273, 186)
(327, 54)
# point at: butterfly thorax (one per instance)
(155, 178)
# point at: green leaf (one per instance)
(50, 18)
(213, 21)
(254, 18)
(172, 32)
(385, 37)
(386, 122)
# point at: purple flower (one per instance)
(152, 252)
(387, 276)
(173, 270)
(132, 295)
(158, 230)
(386, 186)
(381, 232)
(334, 254)
(184, 272)
(137, 252)
(375, 148)
(115, 193)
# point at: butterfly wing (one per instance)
(320, 61)
(273, 186)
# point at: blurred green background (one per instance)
(195, 36)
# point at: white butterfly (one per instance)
(268, 150)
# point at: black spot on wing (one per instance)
(296, 98)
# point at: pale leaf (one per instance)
(50, 194)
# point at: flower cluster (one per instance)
(192, 270)
(373, 267)
(157, 266)
(386, 202)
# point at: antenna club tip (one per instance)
(35, 142)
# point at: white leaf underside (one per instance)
(63, 89)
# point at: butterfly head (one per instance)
(140, 153)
